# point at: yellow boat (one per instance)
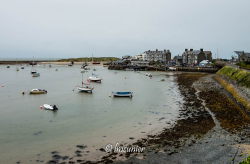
(38, 91)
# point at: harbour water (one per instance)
(27, 132)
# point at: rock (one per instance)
(52, 162)
(77, 151)
(81, 146)
(56, 156)
(101, 149)
(65, 157)
(54, 152)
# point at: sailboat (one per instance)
(17, 69)
(85, 87)
(94, 62)
(33, 71)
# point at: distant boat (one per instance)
(22, 67)
(38, 91)
(70, 65)
(96, 62)
(86, 68)
(149, 74)
(36, 74)
(122, 94)
(84, 65)
(49, 107)
(33, 63)
(8, 66)
(129, 69)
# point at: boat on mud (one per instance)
(122, 94)
(38, 91)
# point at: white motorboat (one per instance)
(149, 74)
(95, 79)
(50, 107)
(86, 89)
(36, 74)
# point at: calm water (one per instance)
(26, 130)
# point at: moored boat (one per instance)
(95, 79)
(36, 74)
(38, 91)
(49, 107)
(85, 89)
(149, 74)
(122, 94)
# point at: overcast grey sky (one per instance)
(75, 28)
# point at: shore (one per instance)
(212, 128)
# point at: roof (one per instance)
(196, 52)
(242, 52)
(178, 57)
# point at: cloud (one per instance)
(64, 28)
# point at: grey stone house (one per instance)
(194, 57)
(243, 56)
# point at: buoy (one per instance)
(23, 93)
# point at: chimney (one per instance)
(186, 50)
(201, 49)
(156, 50)
(191, 49)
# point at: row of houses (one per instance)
(243, 56)
(189, 57)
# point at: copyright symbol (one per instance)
(108, 148)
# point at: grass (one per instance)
(244, 65)
(246, 161)
(230, 88)
(242, 77)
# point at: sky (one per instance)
(80, 28)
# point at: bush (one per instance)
(246, 161)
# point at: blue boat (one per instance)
(122, 94)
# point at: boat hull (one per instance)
(88, 90)
(122, 94)
(38, 92)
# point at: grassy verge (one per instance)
(242, 77)
(244, 65)
(230, 88)
(246, 161)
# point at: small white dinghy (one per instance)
(49, 107)
(86, 89)
(95, 79)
